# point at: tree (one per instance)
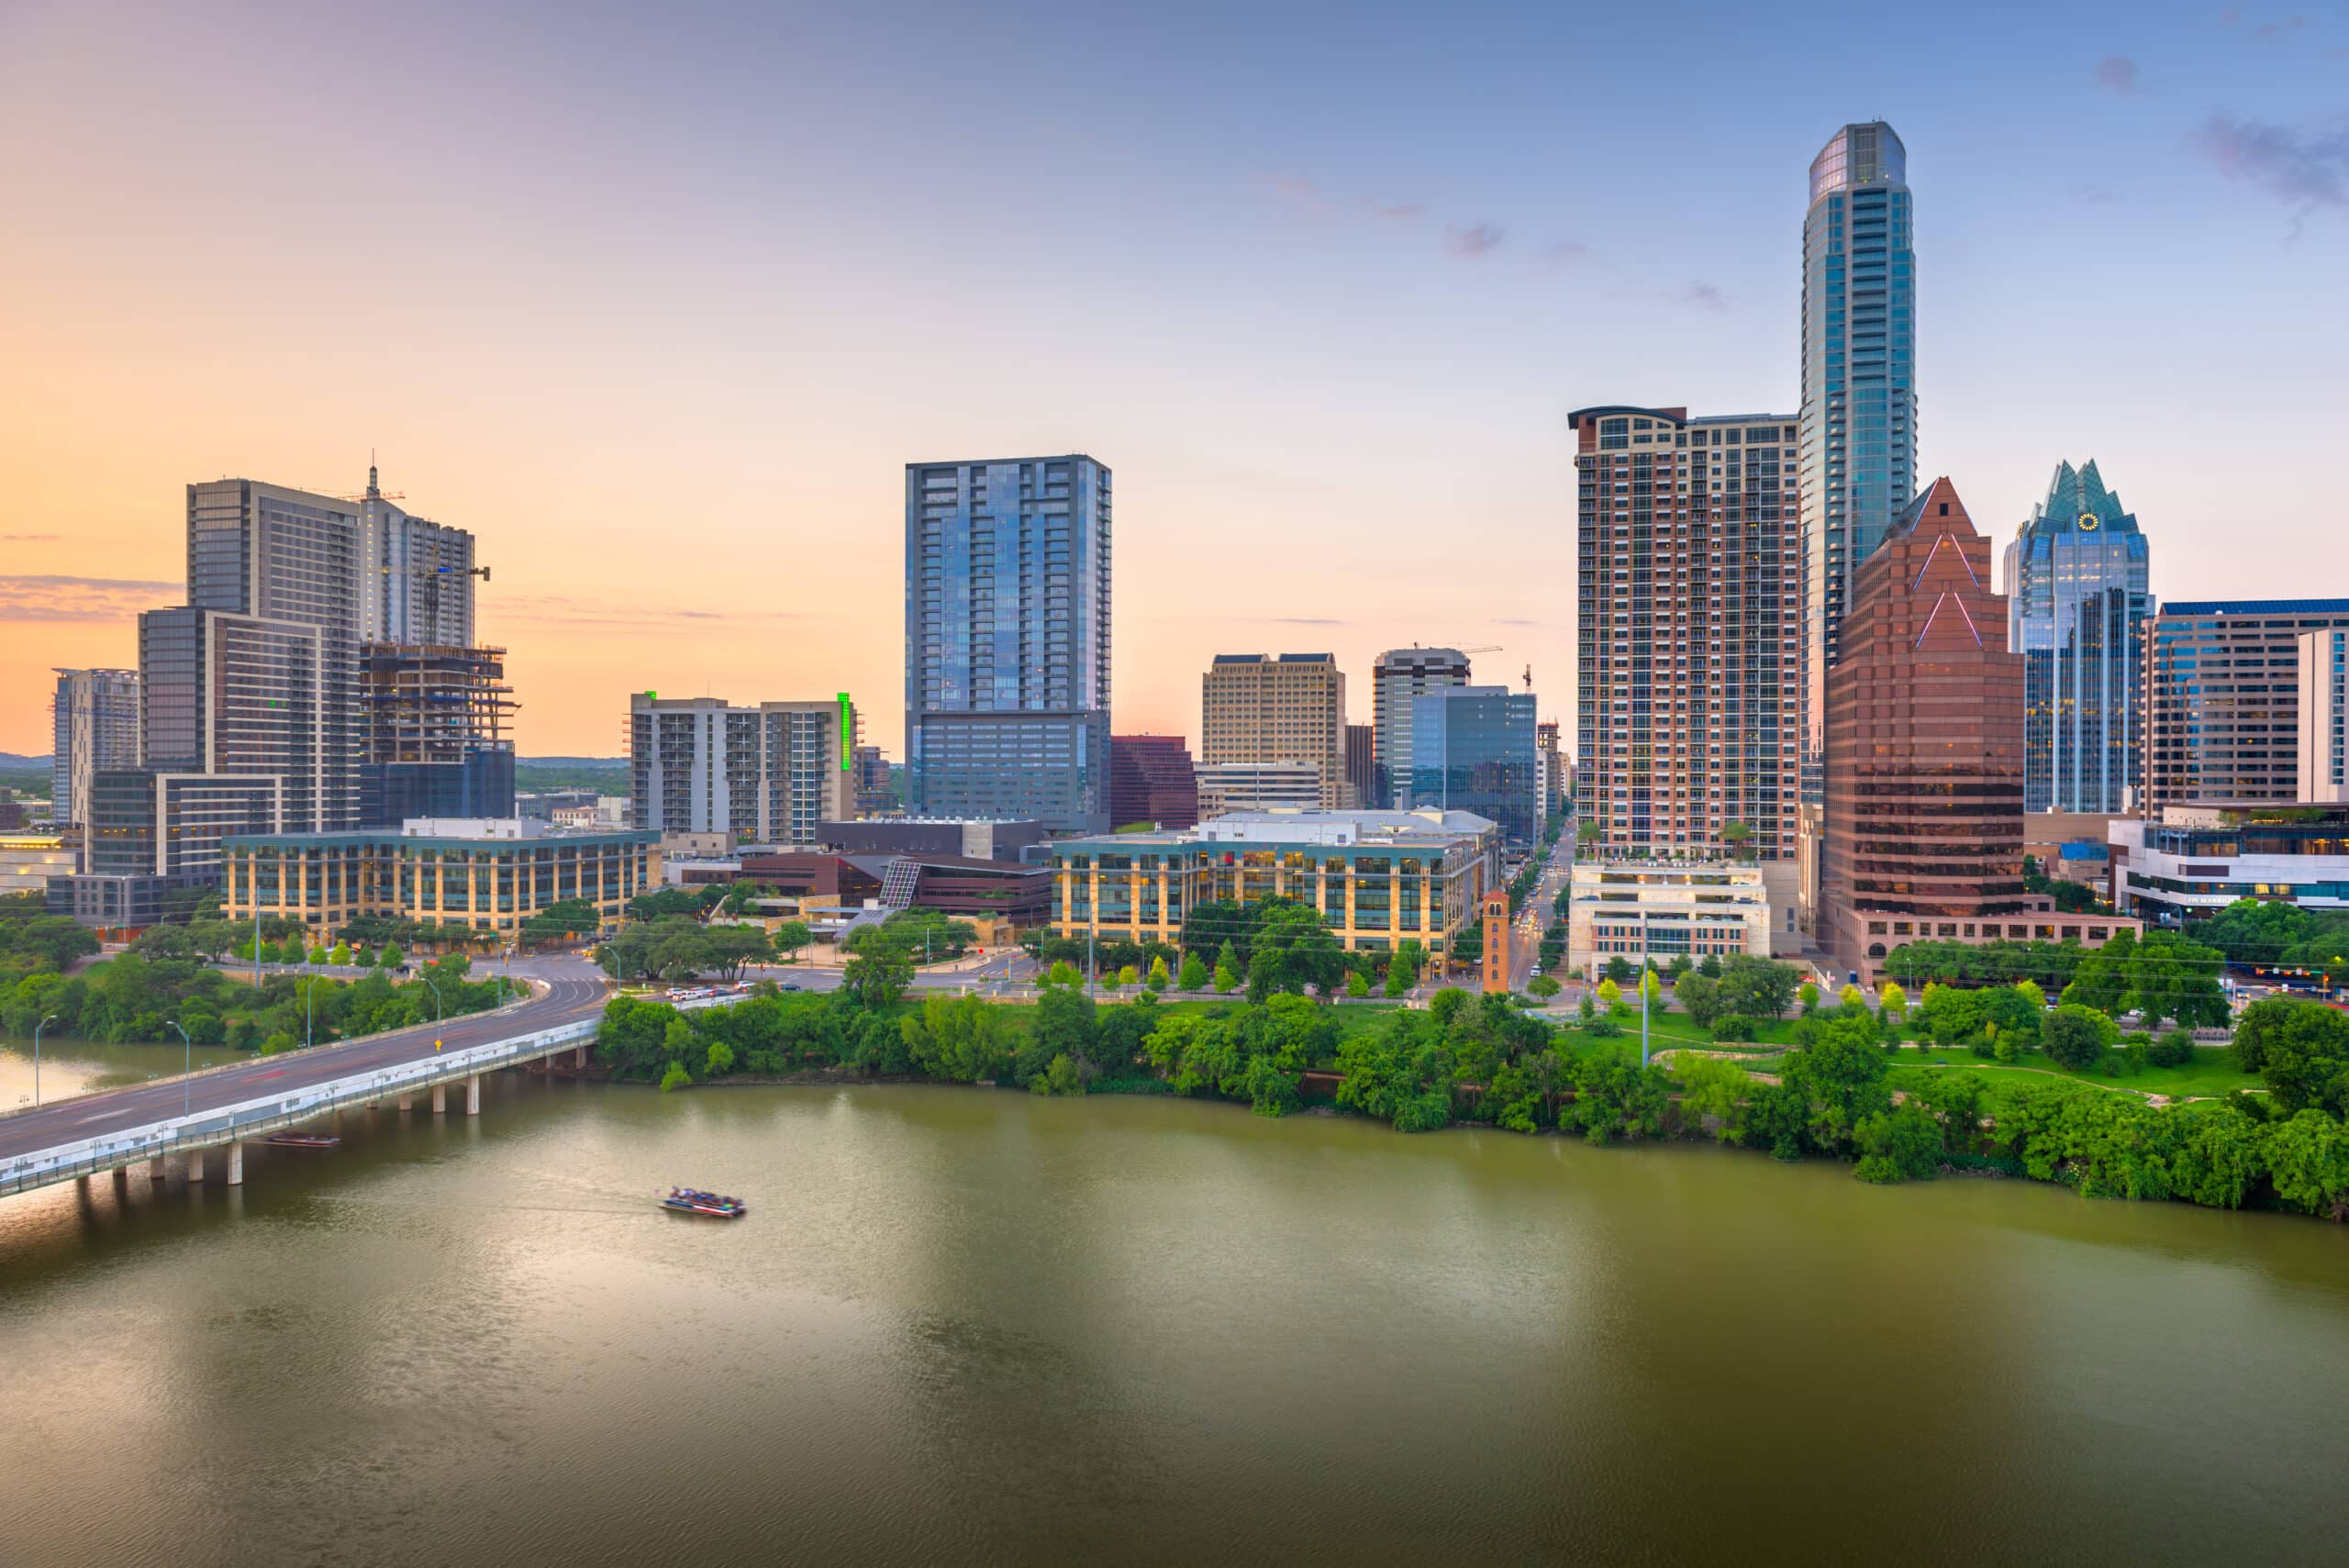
(1618, 969)
(1356, 987)
(1851, 996)
(1807, 994)
(676, 1077)
(1158, 976)
(1225, 980)
(2175, 1048)
(1066, 1024)
(1894, 1001)
(1700, 999)
(1757, 986)
(1713, 1093)
(878, 970)
(2309, 1157)
(2078, 1036)
(1195, 973)
(1543, 985)
(2306, 1061)
(790, 939)
(1903, 1144)
(727, 949)
(1610, 995)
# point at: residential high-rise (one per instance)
(1473, 750)
(415, 577)
(1150, 780)
(1924, 814)
(1008, 640)
(1859, 385)
(95, 727)
(1362, 766)
(1552, 767)
(1291, 707)
(2076, 607)
(1399, 679)
(2222, 698)
(284, 560)
(1688, 572)
(767, 774)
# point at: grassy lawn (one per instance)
(2210, 1074)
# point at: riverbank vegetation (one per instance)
(1840, 1088)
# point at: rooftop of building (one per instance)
(1310, 825)
(1008, 462)
(2256, 608)
(447, 833)
(1276, 659)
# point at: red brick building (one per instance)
(1925, 809)
(1151, 780)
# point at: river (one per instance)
(978, 1326)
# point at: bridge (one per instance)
(223, 1108)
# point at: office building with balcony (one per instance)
(768, 774)
(2077, 604)
(1688, 580)
(869, 774)
(1858, 450)
(2193, 860)
(490, 874)
(2223, 699)
(1290, 708)
(1400, 678)
(1649, 911)
(1151, 780)
(1924, 818)
(1379, 878)
(1008, 577)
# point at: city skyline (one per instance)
(1307, 337)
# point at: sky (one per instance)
(659, 301)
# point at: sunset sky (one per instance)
(658, 301)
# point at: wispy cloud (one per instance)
(2117, 72)
(1472, 239)
(1700, 295)
(47, 598)
(2284, 27)
(2306, 166)
(29, 539)
(1564, 253)
(563, 611)
(2094, 195)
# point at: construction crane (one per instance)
(431, 586)
(1529, 680)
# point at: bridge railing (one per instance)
(256, 1117)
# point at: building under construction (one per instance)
(437, 717)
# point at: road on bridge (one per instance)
(574, 989)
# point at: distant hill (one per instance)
(12, 762)
(607, 775)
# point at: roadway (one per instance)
(572, 989)
(1534, 918)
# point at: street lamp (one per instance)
(187, 1066)
(436, 995)
(37, 1029)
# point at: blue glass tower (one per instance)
(1859, 387)
(1473, 750)
(1008, 640)
(2077, 609)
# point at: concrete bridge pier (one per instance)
(579, 1057)
(405, 1101)
(439, 1100)
(194, 1167)
(472, 1094)
(155, 1168)
(236, 1164)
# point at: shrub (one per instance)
(1543, 986)
(675, 1078)
(1736, 1025)
(1356, 987)
(2175, 1048)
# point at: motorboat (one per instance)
(688, 1200)
(302, 1140)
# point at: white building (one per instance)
(1257, 786)
(2324, 715)
(767, 774)
(1638, 910)
(2198, 859)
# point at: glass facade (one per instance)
(2077, 610)
(1473, 750)
(1859, 386)
(1008, 640)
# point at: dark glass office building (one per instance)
(1473, 750)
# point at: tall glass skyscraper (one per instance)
(1473, 750)
(2077, 609)
(1008, 640)
(1859, 387)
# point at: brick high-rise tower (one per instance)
(1924, 744)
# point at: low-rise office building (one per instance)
(1639, 910)
(28, 860)
(1226, 787)
(491, 874)
(2195, 859)
(1379, 878)
(976, 837)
